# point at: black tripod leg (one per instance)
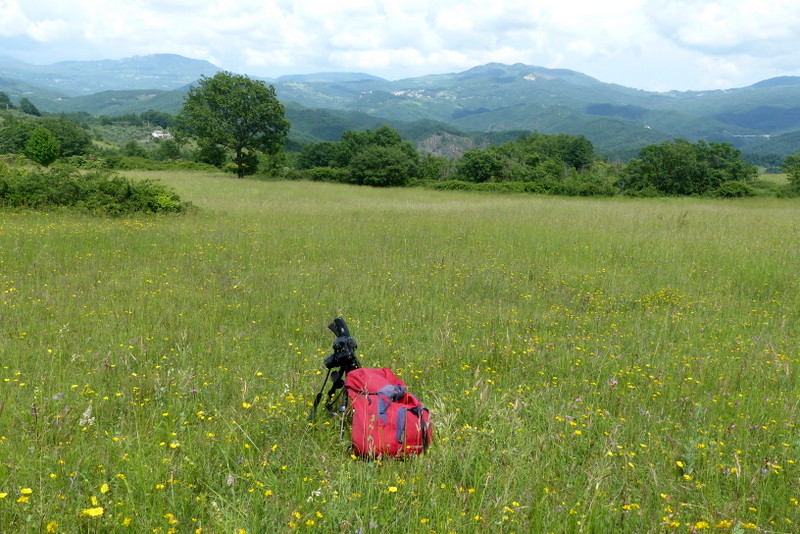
(343, 415)
(313, 415)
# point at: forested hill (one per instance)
(762, 118)
(73, 78)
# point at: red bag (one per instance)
(387, 421)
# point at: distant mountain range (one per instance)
(73, 78)
(493, 100)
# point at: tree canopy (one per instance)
(236, 113)
(683, 168)
(28, 107)
(377, 157)
(791, 166)
(5, 101)
(69, 136)
(73, 139)
(532, 157)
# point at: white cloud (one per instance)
(653, 44)
(719, 26)
(12, 18)
(49, 30)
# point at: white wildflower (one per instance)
(86, 418)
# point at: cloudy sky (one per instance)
(647, 44)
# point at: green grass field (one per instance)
(592, 366)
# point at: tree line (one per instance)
(540, 163)
(24, 105)
(232, 122)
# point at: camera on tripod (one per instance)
(339, 363)
(344, 348)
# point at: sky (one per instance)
(655, 45)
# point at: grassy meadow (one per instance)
(595, 366)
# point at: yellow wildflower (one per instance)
(97, 511)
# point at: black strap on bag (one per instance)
(419, 411)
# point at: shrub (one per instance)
(42, 146)
(585, 185)
(572, 187)
(86, 162)
(129, 163)
(788, 191)
(734, 189)
(329, 174)
(453, 185)
(98, 192)
(292, 174)
(648, 192)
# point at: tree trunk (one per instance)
(239, 164)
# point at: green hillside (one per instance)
(158, 71)
(17, 89)
(116, 102)
(618, 120)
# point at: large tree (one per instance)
(236, 113)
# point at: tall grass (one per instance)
(591, 365)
